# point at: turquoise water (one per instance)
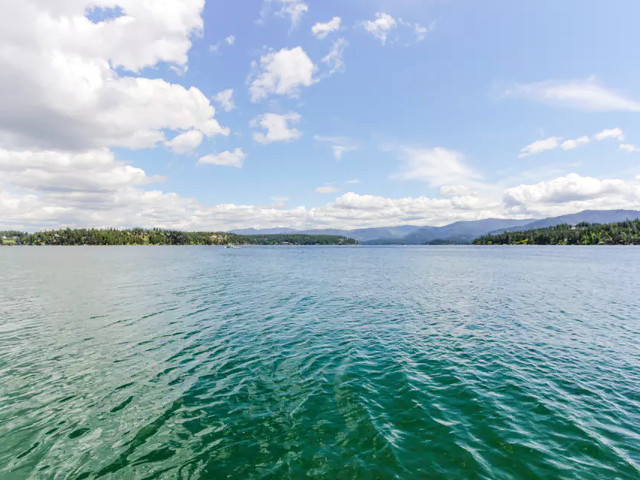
(287, 362)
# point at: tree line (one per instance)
(139, 236)
(621, 233)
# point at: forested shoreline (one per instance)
(139, 236)
(622, 233)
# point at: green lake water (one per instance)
(320, 362)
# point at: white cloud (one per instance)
(321, 30)
(230, 159)
(578, 94)
(185, 142)
(70, 89)
(326, 189)
(67, 173)
(614, 133)
(136, 207)
(49, 189)
(334, 59)
(228, 41)
(420, 31)
(293, 9)
(146, 33)
(437, 166)
(59, 87)
(627, 147)
(552, 143)
(575, 143)
(373, 210)
(384, 24)
(454, 191)
(381, 26)
(278, 127)
(224, 99)
(93, 189)
(540, 146)
(282, 73)
(572, 193)
(339, 145)
(180, 71)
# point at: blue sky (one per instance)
(336, 113)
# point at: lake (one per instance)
(320, 362)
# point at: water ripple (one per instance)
(322, 362)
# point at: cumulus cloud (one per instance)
(229, 159)
(454, 191)
(91, 172)
(326, 189)
(575, 143)
(552, 143)
(278, 127)
(627, 147)
(292, 9)
(137, 207)
(540, 146)
(572, 193)
(321, 30)
(228, 41)
(51, 189)
(577, 94)
(381, 26)
(185, 142)
(74, 84)
(612, 133)
(59, 87)
(282, 73)
(334, 59)
(224, 99)
(384, 24)
(437, 166)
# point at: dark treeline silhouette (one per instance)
(622, 233)
(139, 236)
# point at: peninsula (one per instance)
(139, 236)
(621, 233)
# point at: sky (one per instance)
(306, 114)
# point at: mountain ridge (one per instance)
(463, 232)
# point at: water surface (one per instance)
(320, 362)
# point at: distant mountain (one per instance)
(264, 231)
(369, 234)
(458, 232)
(587, 216)
(360, 234)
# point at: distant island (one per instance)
(621, 233)
(139, 236)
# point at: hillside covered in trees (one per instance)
(622, 233)
(139, 236)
